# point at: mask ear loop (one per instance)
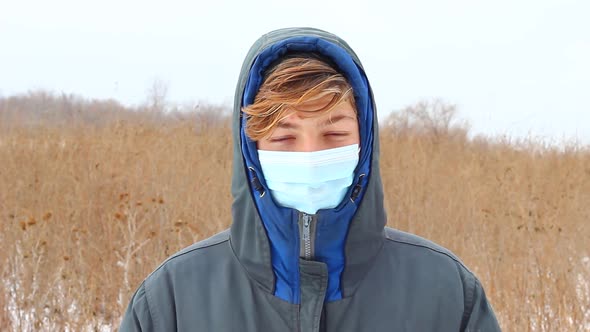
(256, 183)
(357, 188)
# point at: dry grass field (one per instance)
(94, 196)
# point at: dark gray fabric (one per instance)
(413, 285)
(392, 281)
(314, 281)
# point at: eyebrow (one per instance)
(287, 125)
(333, 120)
(327, 122)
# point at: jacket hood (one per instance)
(265, 236)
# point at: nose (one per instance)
(310, 144)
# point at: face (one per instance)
(306, 132)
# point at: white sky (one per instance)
(513, 67)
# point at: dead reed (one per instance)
(87, 211)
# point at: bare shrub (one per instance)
(157, 96)
(434, 119)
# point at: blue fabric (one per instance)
(333, 224)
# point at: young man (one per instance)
(308, 249)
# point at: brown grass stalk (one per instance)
(90, 207)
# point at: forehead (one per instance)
(341, 116)
(315, 109)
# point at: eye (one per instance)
(281, 139)
(337, 134)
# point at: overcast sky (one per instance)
(512, 67)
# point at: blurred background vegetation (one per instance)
(94, 195)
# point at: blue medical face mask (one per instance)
(309, 181)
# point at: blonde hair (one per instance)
(296, 79)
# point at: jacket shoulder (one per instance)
(152, 306)
(201, 245)
(195, 249)
(138, 316)
(188, 263)
(478, 314)
(420, 243)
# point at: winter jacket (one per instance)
(355, 274)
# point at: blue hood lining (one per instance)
(281, 223)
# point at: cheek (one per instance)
(357, 135)
(260, 145)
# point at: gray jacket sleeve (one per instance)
(137, 317)
(478, 315)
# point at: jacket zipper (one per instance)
(307, 236)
